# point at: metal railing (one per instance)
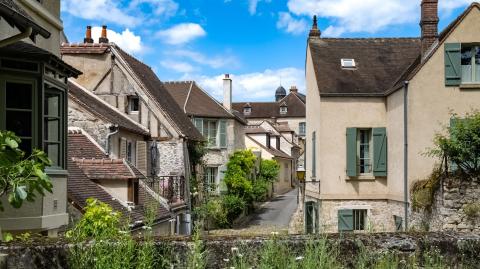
(171, 188)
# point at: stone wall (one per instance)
(95, 127)
(171, 159)
(450, 204)
(455, 248)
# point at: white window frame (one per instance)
(370, 151)
(348, 63)
(473, 66)
(211, 178)
(131, 104)
(247, 110)
(302, 128)
(283, 110)
(217, 134)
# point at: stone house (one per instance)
(116, 182)
(33, 97)
(374, 107)
(266, 141)
(221, 127)
(288, 109)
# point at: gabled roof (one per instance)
(265, 110)
(80, 146)
(16, 16)
(105, 169)
(102, 109)
(275, 152)
(379, 63)
(195, 101)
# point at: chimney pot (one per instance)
(293, 89)
(227, 75)
(227, 92)
(103, 38)
(88, 35)
(428, 24)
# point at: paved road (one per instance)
(275, 213)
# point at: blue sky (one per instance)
(260, 42)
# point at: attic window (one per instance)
(133, 104)
(283, 110)
(348, 63)
(247, 110)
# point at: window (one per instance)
(311, 219)
(470, 61)
(214, 131)
(277, 140)
(53, 125)
(347, 63)
(363, 151)
(366, 152)
(352, 219)
(268, 141)
(283, 110)
(133, 104)
(302, 128)
(314, 155)
(247, 110)
(131, 152)
(210, 179)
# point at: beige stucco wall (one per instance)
(116, 188)
(430, 102)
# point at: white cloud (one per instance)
(218, 61)
(102, 10)
(178, 66)
(290, 24)
(181, 33)
(127, 40)
(252, 86)
(166, 8)
(252, 5)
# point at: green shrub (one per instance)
(260, 190)
(472, 210)
(423, 191)
(216, 212)
(233, 206)
(239, 174)
(269, 170)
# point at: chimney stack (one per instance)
(88, 35)
(293, 89)
(103, 38)
(314, 32)
(429, 24)
(227, 92)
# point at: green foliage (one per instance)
(319, 254)
(269, 170)
(238, 176)
(197, 256)
(7, 237)
(276, 255)
(217, 213)
(260, 190)
(472, 210)
(461, 146)
(423, 191)
(21, 178)
(233, 205)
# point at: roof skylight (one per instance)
(348, 63)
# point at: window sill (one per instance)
(362, 178)
(470, 86)
(133, 112)
(216, 148)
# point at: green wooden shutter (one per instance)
(453, 73)
(314, 154)
(315, 219)
(398, 223)
(352, 152)
(223, 134)
(123, 148)
(308, 217)
(345, 220)
(380, 152)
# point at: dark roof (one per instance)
(105, 168)
(16, 16)
(102, 110)
(22, 50)
(280, 91)
(79, 146)
(156, 88)
(196, 102)
(84, 48)
(275, 152)
(266, 110)
(379, 63)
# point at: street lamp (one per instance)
(301, 174)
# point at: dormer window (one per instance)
(348, 63)
(133, 104)
(283, 110)
(247, 110)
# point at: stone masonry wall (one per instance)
(171, 159)
(448, 212)
(95, 127)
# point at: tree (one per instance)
(239, 172)
(269, 170)
(21, 178)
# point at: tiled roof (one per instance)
(79, 146)
(105, 168)
(16, 16)
(84, 48)
(295, 108)
(102, 110)
(255, 129)
(275, 152)
(379, 63)
(156, 88)
(283, 127)
(196, 102)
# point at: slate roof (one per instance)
(101, 109)
(16, 16)
(196, 102)
(26, 51)
(379, 63)
(266, 110)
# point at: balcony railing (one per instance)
(171, 188)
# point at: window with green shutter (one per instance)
(311, 219)
(366, 152)
(453, 60)
(314, 154)
(223, 134)
(345, 220)
(352, 152)
(380, 152)
(214, 131)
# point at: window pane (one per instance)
(52, 129)
(52, 104)
(364, 153)
(477, 64)
(213, 132)
(26, 145)
(53, 152)
(19, 95)
(19, 122)
(466, 56)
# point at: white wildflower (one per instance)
(299, 258)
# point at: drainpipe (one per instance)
(113, 130)
(17, 37)
(405, 151)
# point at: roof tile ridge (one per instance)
(127, 164)
(211, 97)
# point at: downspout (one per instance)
(113, 130)
(17, 37)
(405, 151)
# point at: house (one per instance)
(286, 108)
(270, 143)
(132, 88)
(33, 98)
(221, 127)
(116, 182)
(374, 107)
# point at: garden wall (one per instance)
(455, 248)
(455, 207)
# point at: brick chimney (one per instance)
(88, 35)
(314, 32)
(227, 92)
(103, 38)
(429, 24)
(293, 89)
